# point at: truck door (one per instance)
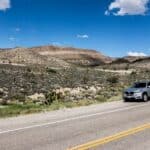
(148, 88)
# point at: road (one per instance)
(67, 128)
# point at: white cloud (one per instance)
(12, 39)
(56, 44)
(136, 54)
(82, 36)
(17, 29)
(107, 13)
(4, 4)
(128, 7)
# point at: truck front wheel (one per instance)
(145, 97)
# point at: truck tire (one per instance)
(125, 100)
(145, 97)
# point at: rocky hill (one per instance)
(133, 58)
(142, 63)
(53, 56)
(127, 59)
(129, 62)
(47, 70)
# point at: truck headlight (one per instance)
(138, 94)
(124, 94)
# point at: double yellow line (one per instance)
(117, 136)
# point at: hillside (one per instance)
(127, 59)
(142, 63)
(53, 56)
(129, 62)
(48, 74)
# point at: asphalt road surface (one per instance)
(68, 128)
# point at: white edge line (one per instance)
(71, 119)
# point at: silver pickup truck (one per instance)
(139, 91)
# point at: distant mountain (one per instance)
(53, 56)
(142, 63)
(130, 62)
(127, 59)
(133, 58)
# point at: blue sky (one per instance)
(113, 27)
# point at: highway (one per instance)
(128, 125)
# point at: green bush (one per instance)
(19, 97)
(51, 97)
(50, 70)
(101, 98)
(113, 80)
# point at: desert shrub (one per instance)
(114, 68)
(50, 70)
(133, 76)
(101, 98)
(51, 97)
(69, 77)
(20, 97)
(133, 73)
(29, 69)
(147, 71)
(3, 102)
(113, 79)
(1, 94)
(86, 76)
(127, 67)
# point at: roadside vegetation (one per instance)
(25, 90)
(12, 110)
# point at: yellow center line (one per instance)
(108, 139)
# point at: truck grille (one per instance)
(129, 93)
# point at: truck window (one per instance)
(148, 84)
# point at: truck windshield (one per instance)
(139, 85)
